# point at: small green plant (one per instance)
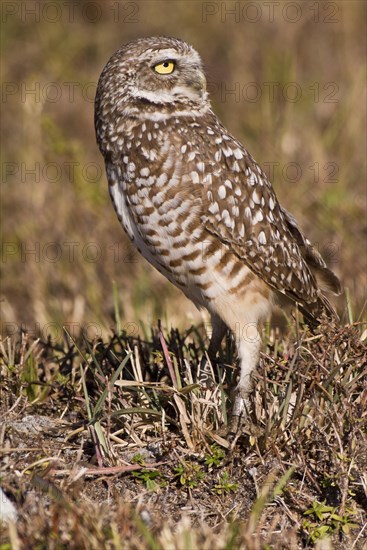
(148, 477)
(215, 458)
(327, 520)
(138, 459)
(189, 474)
(34, 389)
(157, 357)
(224, 485)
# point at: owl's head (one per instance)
(156, 71)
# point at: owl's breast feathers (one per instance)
(188, 167)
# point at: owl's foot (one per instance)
(232, 431)
(239, 413)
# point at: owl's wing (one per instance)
(242, 210)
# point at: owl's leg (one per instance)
(219, 329)
(248, 346)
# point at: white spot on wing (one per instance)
(213, 208)
(258, 217)
(228, 221)
(195, 177)
(222, 192)
(252, 179)
(248, 213)
(218, 155)
(131, 167)
(227, 152)
(161, 180)
(256, 197)
(262, 237)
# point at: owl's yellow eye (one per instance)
(167, 67)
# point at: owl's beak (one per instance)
(197, 81)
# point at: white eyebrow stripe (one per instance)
(167, 53)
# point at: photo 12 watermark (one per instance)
(72, 252)
(54, 332)
(69, 11)
(42, 92)
(51, 172)
(68, 252)
(48, 92)
(273, 91)
(272, 12)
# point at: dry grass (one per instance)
(112, 444)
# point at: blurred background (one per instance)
(286, 78)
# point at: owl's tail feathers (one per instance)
(326, 279)
(313, 313)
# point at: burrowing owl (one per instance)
(194, 201)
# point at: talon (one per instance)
(232, 431)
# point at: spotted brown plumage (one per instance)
(194, 201)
